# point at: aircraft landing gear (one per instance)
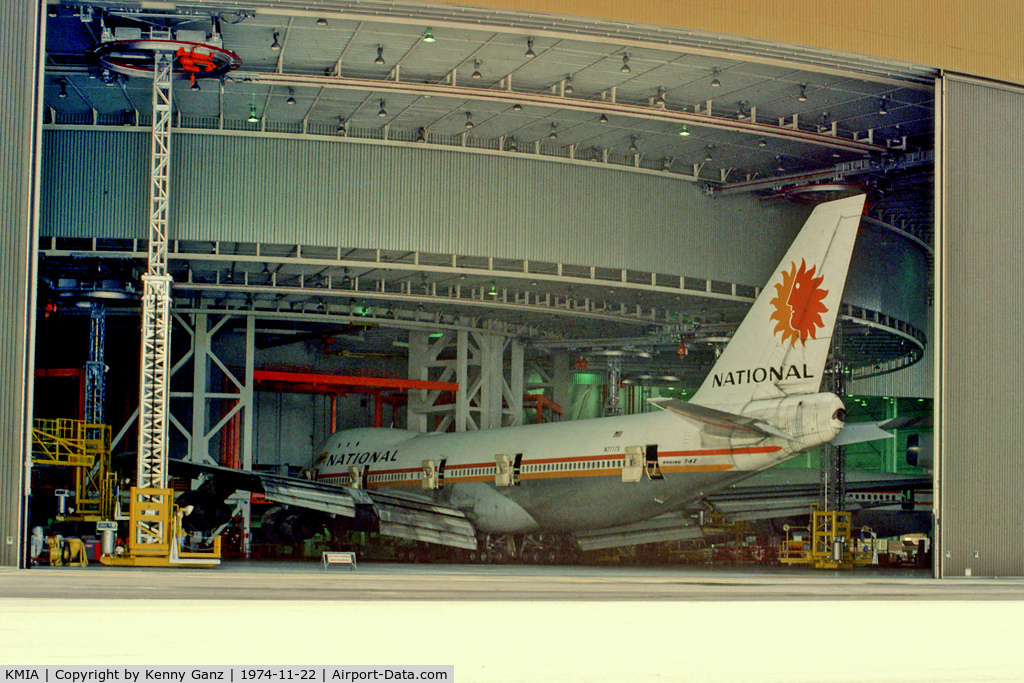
(524, 549)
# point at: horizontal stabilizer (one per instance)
(859, 432)
(717, 422)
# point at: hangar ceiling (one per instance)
(731, 115)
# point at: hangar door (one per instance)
(980, 299)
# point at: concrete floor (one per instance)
(513, 623)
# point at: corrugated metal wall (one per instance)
(981, 351)
(326, 192)
(19, 48)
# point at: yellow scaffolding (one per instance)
(85, 447)
(828, 543)
(155, 534)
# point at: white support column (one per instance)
(491, 355)
(562, 372)
(514, 387)
(419, 362)
(248, 395)
(199, 446)
(462, 377)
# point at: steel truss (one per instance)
(490, 391)
(156, 301)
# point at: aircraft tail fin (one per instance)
(781, 346)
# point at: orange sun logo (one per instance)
(798, 304)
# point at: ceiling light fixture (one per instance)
(63, 89)
(341, 127)
(422, 135)
(517, 107)
(803, 92)
(553, 135)
(882, 108)
(321, 22)
(512, 146)
(529, 48)
(469, 120)
(715, 83)
(291, 96)
(684, 132)
(659, 100)
(625, 63)
(744, 110)
(603, 119)
(380, 55)
(252, 114)
(707, 153)
(195, 86)
(276, 45)
(568, 85)
(780, 168)
(762, 143)
(383, 112)
(632, 144)
(476, 69)
(428, 37)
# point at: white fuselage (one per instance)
(574, 476)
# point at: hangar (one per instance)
(532, 201)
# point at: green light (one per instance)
(428, 37)
(252, 114)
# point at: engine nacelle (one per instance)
(209, 511)
(812, 419)
(920, 452)
(289, 525)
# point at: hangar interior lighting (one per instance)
(553, 135)
(476, 69)
(276, 45)
(469, 120)
(529, 48)
(632, 144)
(603, 119)
(321, 22)
(803, 92)
(684, 132)
(63, 89)
(715, 83)
(252, 114)
(517, 107)
(421, 136)
(380, 55)
(291, 96)
(341, 124)
(383, 112)
(428, 37)
(882, 108)
(625, 63)
(568, 85)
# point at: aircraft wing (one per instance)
(393, 513)
(676, 526)
(773, 494)
(788, 492)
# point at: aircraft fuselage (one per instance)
(574, 476)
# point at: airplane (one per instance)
(546, 490)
